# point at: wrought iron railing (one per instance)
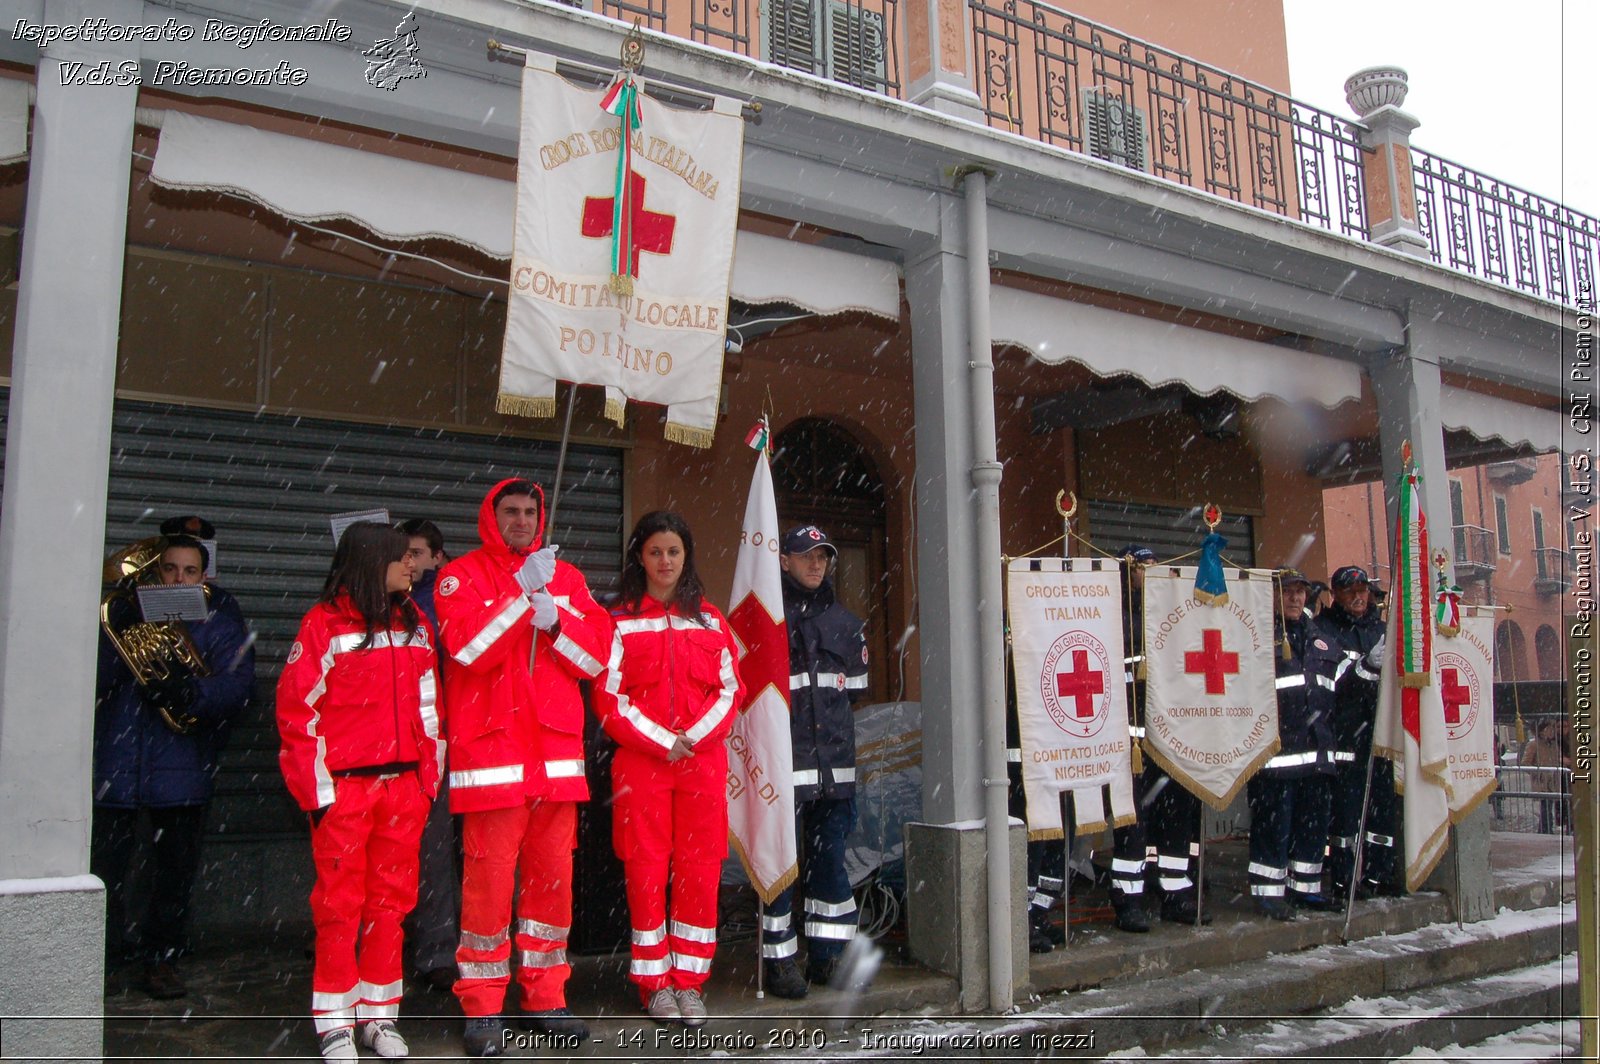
(1552, 567)
(856, 42)
(1502, 233)
(1475, 551)
(1064, 80)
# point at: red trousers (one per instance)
(670, 823)
(524, 851)
(365, 851)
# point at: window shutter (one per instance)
(857, 46)
(1114, 130)
(791, 33)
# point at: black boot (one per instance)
(1038, 937)
(783, 979)
(1131, 917)
(1180, 907)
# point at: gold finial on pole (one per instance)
(1211, 513)
(633, 48)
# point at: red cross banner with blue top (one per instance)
(1211, 704)
(1068, 668)
(622, 250)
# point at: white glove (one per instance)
(537, 570)
(544, 610)
(1375, 655)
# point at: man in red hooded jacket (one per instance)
(521, 630)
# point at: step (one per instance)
(1547, 1042)
(1395, 1026)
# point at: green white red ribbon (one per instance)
(621, 98)
(1414, 632)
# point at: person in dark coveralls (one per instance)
(1289, 796)
(1169, 816)
(432, 927)
(142, 764)
(1353, 627)
(827, 672)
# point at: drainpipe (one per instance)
(991, 619)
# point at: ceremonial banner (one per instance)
(1211, 697)
(1463, 671)
(1409, 729)
(621, 258)
(1072, 702)
(760, 758)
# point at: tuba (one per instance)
(156, 652)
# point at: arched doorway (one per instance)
(1547, 648)
(823, 475)
(1510, 653)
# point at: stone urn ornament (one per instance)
(1375, 87)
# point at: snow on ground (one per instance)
(1526, 1045)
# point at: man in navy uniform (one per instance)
(827, 672)
(1353, 627)
(1289, 796)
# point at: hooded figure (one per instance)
(521, 630)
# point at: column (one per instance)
(1406, 385)
(52, 536)
(947, 910)
(940, 73)
(1375, 95)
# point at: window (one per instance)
(1458, 520)
(1114, 129)
(1502, 524)
(839, 39)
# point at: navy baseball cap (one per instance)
(1348, 576)
(1137, 552)
(807, 538)
(1290, 575)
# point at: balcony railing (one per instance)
(1553, 572)
(1513, 470)
(1502, 233)
(1060, 79)
(1475, 552)
(856, 42)
(1067, 81)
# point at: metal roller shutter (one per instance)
(1170, 531)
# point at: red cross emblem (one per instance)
(652, 232)
(766, 649)
(1455, 694)
(1081, 684)
(1212, 660)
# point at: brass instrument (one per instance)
(156, 652)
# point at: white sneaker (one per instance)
(381, 1037)
(339, 1045)
(693, 1008)
(663, 1007)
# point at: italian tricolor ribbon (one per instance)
(1414, 654)
(622, 99)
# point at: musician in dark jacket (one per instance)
(1353, 627)
(827, 672)
(1289, 796)
(142, 763)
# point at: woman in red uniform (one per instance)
(358, 715)
(668, 700)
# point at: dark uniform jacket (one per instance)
(1356, 686)
(138, 760)
(1306, 664)
(827, 671)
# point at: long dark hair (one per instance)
(360, 570)
(632, 587)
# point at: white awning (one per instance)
(310, 181)
(768, 269)
(1159, 352)
(401, 200)
(1487, 417)
(13, 120)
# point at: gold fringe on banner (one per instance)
(525, 405)
(616, 411)
(622, 284)
(688, 435)
(1136, 758)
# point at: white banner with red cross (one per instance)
(1211, 700)
(1072, 702)
(1463, 672)
(646, 322)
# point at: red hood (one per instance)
(489, 528)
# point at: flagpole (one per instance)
(561, 460)
(1360, 848)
